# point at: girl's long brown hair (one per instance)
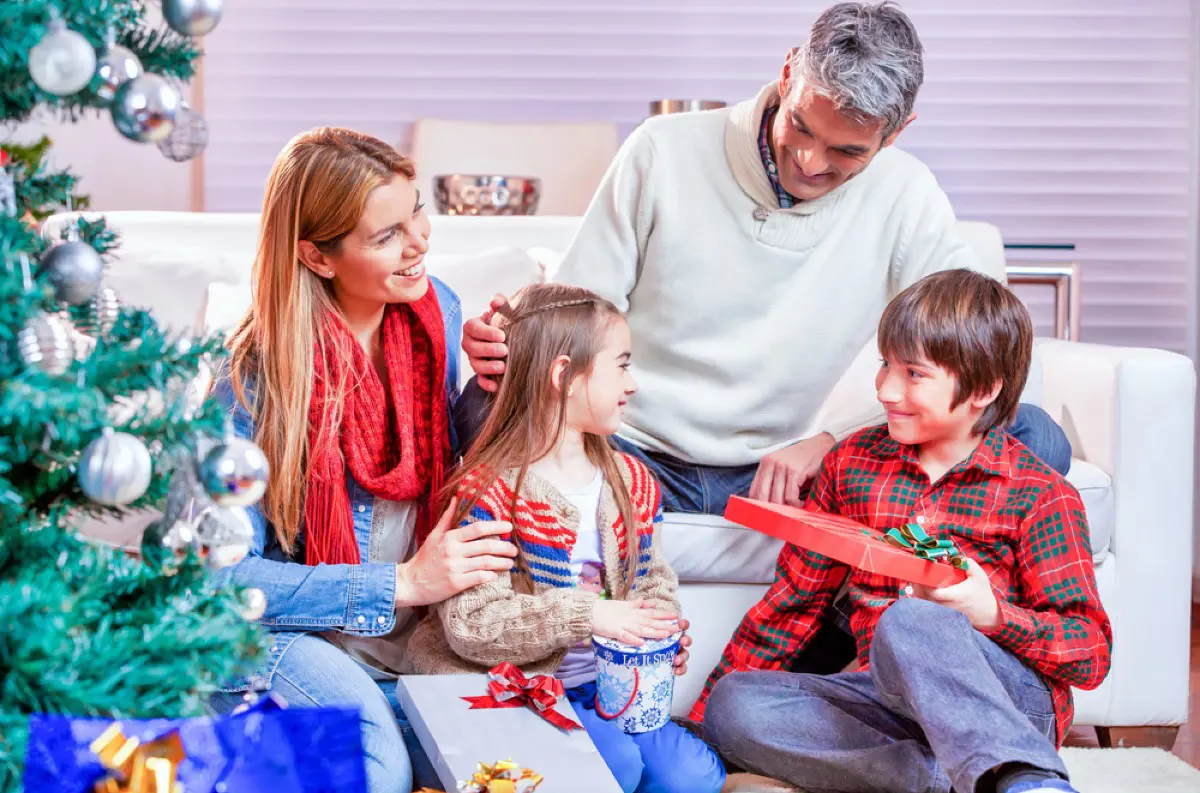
(317, 190)
(528, 417)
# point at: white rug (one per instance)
(1092, 771)
(1129, 771)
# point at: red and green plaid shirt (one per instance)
(1021, 521)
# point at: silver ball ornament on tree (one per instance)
(104, 312)
(192, 17)
(74, 269)
(163, 545)
(189, 137)
(115, 468)
(234, 473)
(63, 62)
(144, 108)
(254, 604)
(225, 535)
(46, 344)
(116, 66)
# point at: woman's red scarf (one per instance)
(395, 448)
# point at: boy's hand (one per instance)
(974, 597)
(782, 475)
(633, 621)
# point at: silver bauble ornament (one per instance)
(144, 108)
(117, 66)
(234, 473)
(104, 311)
(254, 604)
(115, 468)
(189, 137)
(46, 343)
(63, 62)
(163, 545)
(192, 17)
(74, 269)
(225, 535)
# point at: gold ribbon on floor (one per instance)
(136, 767)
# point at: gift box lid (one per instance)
(841, 538)
(457, 738)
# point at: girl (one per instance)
(578, 510)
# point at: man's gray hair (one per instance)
(867, 59)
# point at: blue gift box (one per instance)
(263, 749)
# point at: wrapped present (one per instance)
(263, 748)
(907, 554)
(457, 736)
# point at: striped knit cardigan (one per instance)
(507, 620)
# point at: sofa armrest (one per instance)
(1131, 412)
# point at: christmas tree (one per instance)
(101, 413)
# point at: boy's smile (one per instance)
(919, 397)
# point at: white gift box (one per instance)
(457, 738)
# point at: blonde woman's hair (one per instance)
(317, 191)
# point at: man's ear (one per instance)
(892, 138)
(313, 259)
(785, 74)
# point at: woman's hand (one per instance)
(633, 621)
(453, 560)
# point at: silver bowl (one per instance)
(661, 107)
(478, 194)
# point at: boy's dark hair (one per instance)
(972, 326)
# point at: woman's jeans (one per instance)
(314, 673)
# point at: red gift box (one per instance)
(840, 538)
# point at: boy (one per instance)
(966, 687)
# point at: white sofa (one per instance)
(1128, 412)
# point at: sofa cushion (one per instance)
(708, 548)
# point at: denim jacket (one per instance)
(355, 599)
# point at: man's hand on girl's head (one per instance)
(483, 342)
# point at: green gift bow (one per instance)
(913, 538)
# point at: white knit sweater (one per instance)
(745, 315)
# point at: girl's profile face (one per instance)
(597, 399)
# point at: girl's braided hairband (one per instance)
(516, 315)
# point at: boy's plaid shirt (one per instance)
(1020, 520)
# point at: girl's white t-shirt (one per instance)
(587, 566)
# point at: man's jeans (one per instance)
(940, 707)
(702, 489)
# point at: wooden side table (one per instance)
(1064, 277)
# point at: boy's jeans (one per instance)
(940, 707)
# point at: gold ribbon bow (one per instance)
(502, 777)
(136, 767)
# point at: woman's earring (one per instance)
(329, 273)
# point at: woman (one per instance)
(343, 372)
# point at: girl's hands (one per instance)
(633, 621)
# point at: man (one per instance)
(754, 249)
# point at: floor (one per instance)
(1187, 744)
